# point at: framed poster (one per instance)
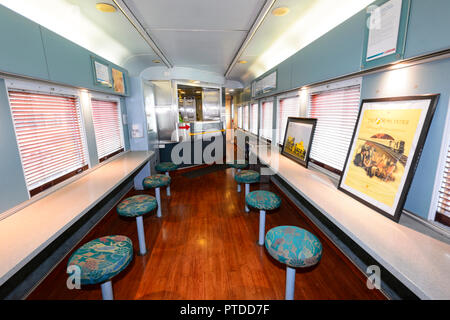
(118, 81)
(102, 76)
(385, 32)
(385, 149)
(298, 139)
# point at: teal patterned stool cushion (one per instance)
(238, 165)
(293, 246)
(156, 181)
(137, 205)
(263, 200)
(166, 166)
(247, 176)
(102, 258)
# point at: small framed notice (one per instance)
(102, 75)
(386, 24)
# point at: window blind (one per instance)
(254, 119)
(266, 120)
(107, 127)
(49, 135)
(240, 117)
(245, 118)
(444, 191)
(288, 107)
(336, 112)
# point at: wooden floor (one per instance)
(204, 247)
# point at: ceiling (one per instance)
(199, 34)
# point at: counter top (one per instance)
(28, 231)
(420, 262)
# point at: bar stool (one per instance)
(238, 165)
(137, 206)
(247, 177)
(263, 201)
(294, 247)
(166, 167)
(100, 260)
(157, 181)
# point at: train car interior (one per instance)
(224, 150)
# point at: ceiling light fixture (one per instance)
(280, 11)
(242, 61)
(156, 61)
(105, 7)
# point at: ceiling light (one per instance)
(194, 81)
(242, 61)
(156, 61)
(105, 7)
(281, 11)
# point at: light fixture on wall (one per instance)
(280, 11)
(105, 7)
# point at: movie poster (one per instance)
(298, 138)
(382, 150)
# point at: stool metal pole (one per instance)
(290, 283)
(141, 235)
(247, 191)
(239, 185)
(262, 226)
(168, 187)
(107, 291)
(158, 199)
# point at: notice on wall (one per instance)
(384, 24)
(102, 73)
(119, 84)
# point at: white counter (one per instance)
(27, 232)
(420, 262)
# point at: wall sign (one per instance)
(385, 32)
(102, 75)
(385, 150)
(298, 139)
(118, 81)
(264, 85)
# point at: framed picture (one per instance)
(102, 75)
(298, 138)
(118, 81)
(385, 149)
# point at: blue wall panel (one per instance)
(429, 27)
(335, 54)
(12, 182)
(21, 49)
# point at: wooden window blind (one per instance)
(254, 119)
(336, 112)
(443, 209)
(49, 135)
(107, 126)
(288, 107)
(266, 120)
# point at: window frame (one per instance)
(288, 95)
(331, 86)
(261, 120)
(112, 98)
(38, 87)
(250, 117)
(246, 105)
(440, 169)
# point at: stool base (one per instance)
(141, 235)
(290, 283)
(168, 187)
(262, 227)
(107, 291)
(247, 191)
(158, 199)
